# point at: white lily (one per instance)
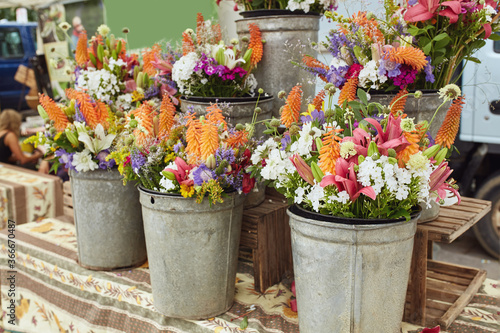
(100, 142)
(229, 59)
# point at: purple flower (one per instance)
(202, 174)
(137, 159)
(389, 68)
(65, 158)
(285, 141)
(224, 154)
(316, 115)
(412, 2)
(336, 75)
(103, 164)
(152, 91)
(78, 115)
(177, 147)
(429, 77)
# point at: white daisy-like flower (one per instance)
(316, 194)
(183, 69)
(83, 162)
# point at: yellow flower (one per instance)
(170, 157)
(310, 108)
(187, 191)
(58, 135)
(407, 125)
(418, 161)
(137, 96)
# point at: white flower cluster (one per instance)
(369, 76)
(182, 71)
(305, 4)
(100, 84)
(165, 183)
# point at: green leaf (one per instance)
(442, 43)
(268, 131)
(427, 48)
(413, 30)
(441, 36)
(362, 96)
(494, 37)
(244, 323)
(473, 59)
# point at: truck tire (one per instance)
(487, 230)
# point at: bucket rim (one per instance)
(230, 100)
(347, 221)
(276, 12)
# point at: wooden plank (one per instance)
(443, 306)
(438, 294)
(67, 200)
(452, 279)
(463, 300)
(67, 187)
(446, 286)
(451, 269)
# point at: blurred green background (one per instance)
(150, 21)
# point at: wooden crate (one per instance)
(265, 240)
(68, 201)
(449, 289)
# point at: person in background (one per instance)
(10, 150)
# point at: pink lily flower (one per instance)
(303, 168)
(438, 182)
(182, 172)
(426, 9)
(390, 138)
(345, 180)
(163, 66)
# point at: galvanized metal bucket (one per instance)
(236, 109)
(284, 35)
(421, 109)
(108, 220)
(193, 252)
(350, 277)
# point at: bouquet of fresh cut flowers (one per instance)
(181, 153)
(371, 54)
(209, 68)
(360, 160)
(418, 46)
(449, 32)
(316, 6)
(81, 130)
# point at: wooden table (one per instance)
(438, 291)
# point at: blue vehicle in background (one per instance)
(17, 46)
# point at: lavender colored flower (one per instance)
(429, 76)
(65, 158)
(78, 115)
(336, 75)
(412, 2)
(285, 141)
(337, 40)
(103, 164)
(177, 147)
(315, 115)
(137, 159)
(224, 154)
(389, 68)
(152, 91)
(202, 174)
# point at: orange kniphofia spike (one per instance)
(348, 92)
(167, 114)
(314, 63)
(86, 106)
(291, 110)
(255, 43)
(148, 58)
(398, 102)
(448, 131)
(237, 139)
(193, 139)
(215, 116)
(187, 43)
(330, 152)
(200, 29)
(54, 112)
(81, 53)
(318, 100)
(144, 115)
(209, 140)
(407, 55)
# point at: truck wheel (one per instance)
(487, 230)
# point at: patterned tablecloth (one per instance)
(27, 195)
(54, 294)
